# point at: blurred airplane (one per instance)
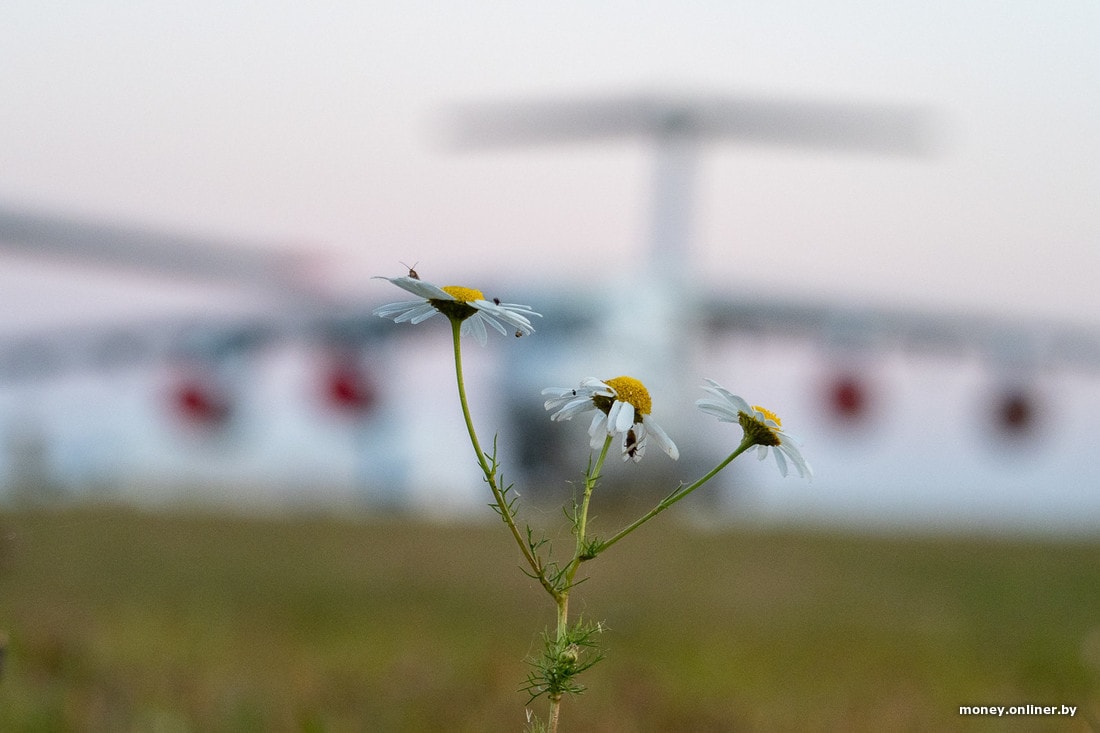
(360, 365)
(667, 330)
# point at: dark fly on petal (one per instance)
(633, 449)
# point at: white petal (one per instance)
(509, 316)
(560, 392)
(426, 311)
(781, 462)
(620, 420)
(799, 462)
(613, 416)
(419, 287)
(661, 437)
(476, 327)
(720, 410)
(597, 386)
(491, 321)
(598, 429)
(575, 407)
(518, 309)
(738, 403)
(391, 309)
(787, 438)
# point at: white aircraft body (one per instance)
(288, 397)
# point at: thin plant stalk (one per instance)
(490, 472)
(675, 496)
(580, 519)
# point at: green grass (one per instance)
(120, 620)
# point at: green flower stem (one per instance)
(490, 472)
(590, 481)
(677, 495)
(580, 529)
(555, 715)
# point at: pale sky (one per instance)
(319, 125)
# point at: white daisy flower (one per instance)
(763, 427)
(457, 303)
(622, 406)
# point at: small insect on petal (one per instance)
(412, 272)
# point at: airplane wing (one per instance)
(750, 119)
(193, 257)
(993, 338)
(275, 305)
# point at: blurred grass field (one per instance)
(122, 620)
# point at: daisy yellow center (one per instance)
(768, 414)
(461, 294)
(629, 389)
(459, 309)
